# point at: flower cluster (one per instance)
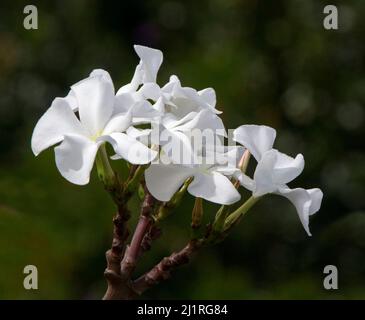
(157, 128)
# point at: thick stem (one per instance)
(162, 270)
(129, 261)
(114, 255)
(131, 255)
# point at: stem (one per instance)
(109, 178)
(105, 171)
(116, 288)
(166, 208)
(223, 211)
(131, 255)
(129, 261)
(134, 179)
(162, 270)
(236, 215)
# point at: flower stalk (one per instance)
(235, 216)
(167, 207)
(196, 217)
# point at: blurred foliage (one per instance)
(271, 62)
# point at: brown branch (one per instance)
(162, 270)
(114, 255)
(153, 233)
(132, 252)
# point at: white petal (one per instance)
(170, 121)
(307, 202)
(51, 128)
(214, 187)
(72, 101)
(257, 139)
(223, 155)
(75, 158)
(101, 73)
(209, 96)
(95, 97)
(245, 181)
(263, 175)
(151, 61)
(316, 196)
(287, 168)
(159, 105)
(124, 101)
(177, 147)
(151, 91)
(135, 82)
(164, 180)
(118, 123)
(204, 120)
(138, 133)
(129, 148)
(143, 112)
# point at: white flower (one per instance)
(186, 110)
(210, 181)
(274, 170)
(180, 100)
(142, 87)
(176, 111)
(81, 137)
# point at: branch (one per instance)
(162, 270)
(132, 252)
(114, 255)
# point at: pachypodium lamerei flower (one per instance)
(142, 87)
(177, 131)
(98, 122)
(209, 182)
(274, 170)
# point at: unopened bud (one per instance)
(197, 213)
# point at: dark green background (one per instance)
(271, 62)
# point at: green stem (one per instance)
(105, 171)
(109, 178)
(223, 211)
(236, 215)
(220, 218)
(132, 184)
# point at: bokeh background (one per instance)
(270, 62)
